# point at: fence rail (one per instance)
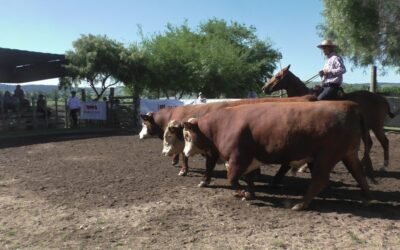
(121, 113)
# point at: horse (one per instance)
(374, 107)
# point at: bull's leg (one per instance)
(280, 174)
(175, 159)
(184, 166)
(211, 161)
(380, 135)
(320, 179)
(249, 178)
(237, 167)
(354, 166)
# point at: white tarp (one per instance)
(154, 105)
(93, 110)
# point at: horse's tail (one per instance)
(390, 114)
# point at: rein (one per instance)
(312, 78)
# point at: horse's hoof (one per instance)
(173, 163)
(182, 173)
(202, 184)
(298, 207)
(248, 196)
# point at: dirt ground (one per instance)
(118, 192)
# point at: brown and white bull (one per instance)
(322, 133)
(156, 124)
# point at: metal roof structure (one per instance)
(18, 66)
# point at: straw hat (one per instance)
(327, 43)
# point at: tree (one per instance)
(94, 60)
(133, 70)
(367, 31)
(171, 61)
(218, 59)
(233, 60)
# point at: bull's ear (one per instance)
(187, 126)
(172, 130)
(145, 117)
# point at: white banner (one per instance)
(93, 111)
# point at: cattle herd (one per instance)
(248, 133)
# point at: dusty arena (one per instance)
(117, 192)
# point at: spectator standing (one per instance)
(41, 106)
(19, 93)
(74, 106)
(201, 99)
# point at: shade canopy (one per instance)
(18, 66)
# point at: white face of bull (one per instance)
(144, 133)
(147, 126)
(191, 148)
(172, 144)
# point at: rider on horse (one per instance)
(332, 72)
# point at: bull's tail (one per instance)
(366, 160)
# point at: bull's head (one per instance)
(276, 82)
(149, 126)
(192, 136)
(173, 139)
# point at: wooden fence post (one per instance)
(373, 85)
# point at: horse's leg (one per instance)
(380, 135)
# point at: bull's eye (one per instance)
(187, 138)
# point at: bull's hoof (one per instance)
(182, 173)
(244, 195)
(299, 207)
(203, 184)
(248, 196)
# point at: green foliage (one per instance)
(133, 69)
(393, 91)
(233, 60)
(95, 60)
(219, 59)
(171, 60)
(367, 31)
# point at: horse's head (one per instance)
(276, 82)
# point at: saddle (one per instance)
(338, 96)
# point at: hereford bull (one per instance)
(322, 133)
(155, 124)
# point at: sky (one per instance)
(290, 25)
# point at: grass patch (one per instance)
(279, 244)
(355, 238)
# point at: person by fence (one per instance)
(41, 107)
(74, 106)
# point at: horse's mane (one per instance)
(295, 77)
